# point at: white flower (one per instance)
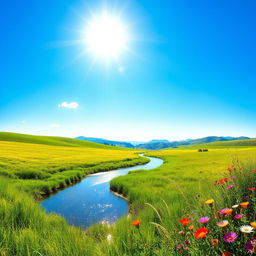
(235, 206)
(246, 229)
(109, 238)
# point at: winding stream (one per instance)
(91, 200)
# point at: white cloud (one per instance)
(68, 105)
(54, 125)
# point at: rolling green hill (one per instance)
(51, 140)
(226, 144)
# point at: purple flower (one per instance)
(229, 186)
(204, 219)
(250, 246)
(238, 216)
(230, 237)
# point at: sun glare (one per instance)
(106, 36)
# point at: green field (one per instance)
(31, 166)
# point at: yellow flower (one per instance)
(209, 201)
(253, 224)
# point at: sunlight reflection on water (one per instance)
(91, 200)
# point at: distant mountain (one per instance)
(215, 138)
(159, 141)
(161, 144)
(106, 142)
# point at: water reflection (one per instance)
(91, 200)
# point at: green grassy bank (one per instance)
(174, 190)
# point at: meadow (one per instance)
(158, 198)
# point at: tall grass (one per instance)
(159, 198)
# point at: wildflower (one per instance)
(209, 202)
(109, 238)
(223, 181)
(184, 222)
(244, 204)
(235, 206)
(191, 227)
(204, 219)
(229, 211)
(250, 246)
(214, 241)
(238, 216)
(251, 189)
(181, 232)
(201, 233)
(253, 224)
(222, 223)
(187, 242)
(246, 229)
(229, 169)
(229, 186)
(223, 211)
(253, 171)
(179, 246)
(230, 237)
(136, 223)
(226, 254)
(232, 177)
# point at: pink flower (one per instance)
(204, 219)
(223, 211)
(230, 237)
(229, 186)
(238, 216)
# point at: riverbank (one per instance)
(91, 201)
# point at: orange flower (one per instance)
(136, 223)
(201, 233)
(226, 254)
(184, 222)
(223, 181)
(191, 227)
(214, 241)
(253, 224)
(244, 204)
(229, 211)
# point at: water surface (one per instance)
(91, 200)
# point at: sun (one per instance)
(106, 36)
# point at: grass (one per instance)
(52, 140)
(161, 196)
(41, 169)
(227, 144)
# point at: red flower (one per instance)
(229, 169)
(184, 222)
(251, 189)
(226, 254)
(136, 223)
(223, 181)
(201, 233)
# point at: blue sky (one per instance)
(189, 71)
